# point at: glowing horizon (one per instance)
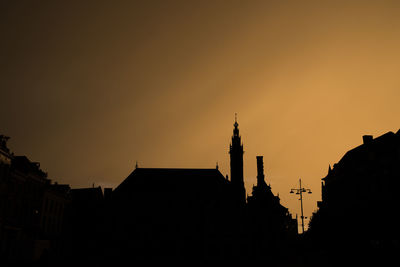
(91, 88)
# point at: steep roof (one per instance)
(172, 180)
(383, 149)
(381, 145)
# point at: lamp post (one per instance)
(300, 191)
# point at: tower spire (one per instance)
(235, 129)
(236, 155)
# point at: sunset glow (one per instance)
(89, 88)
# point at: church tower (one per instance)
(236, 153)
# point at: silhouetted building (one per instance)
(176, 214)
(8, 230)
(236, 156)
(85, 222)
(27, 227)
(360, 199)
(270, 223)
(194, 215)
(154, 215)
(52, 238)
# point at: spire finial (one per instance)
(136, 166)
(216, 166)
(236, 123)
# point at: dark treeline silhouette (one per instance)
(198, 216)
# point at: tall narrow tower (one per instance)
(260, 172)
(236, 153)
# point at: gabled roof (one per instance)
(384, 147)
(172, 180)
(380, 144)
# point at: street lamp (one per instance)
(300, 191)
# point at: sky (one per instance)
(89, 88)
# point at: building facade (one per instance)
(27, 229)
(176, 214)
(359, 207)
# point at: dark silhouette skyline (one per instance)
(92, 88)
(156, 215)
(198, 216)
(101, 85)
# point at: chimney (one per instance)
(260, 166)
(260, 171)
(367, 139)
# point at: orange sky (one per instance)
(89, 88)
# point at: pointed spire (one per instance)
(136, 165)
(330, 169)
(236, 129)
(216, 166)
(236, 123)
(236, 155)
